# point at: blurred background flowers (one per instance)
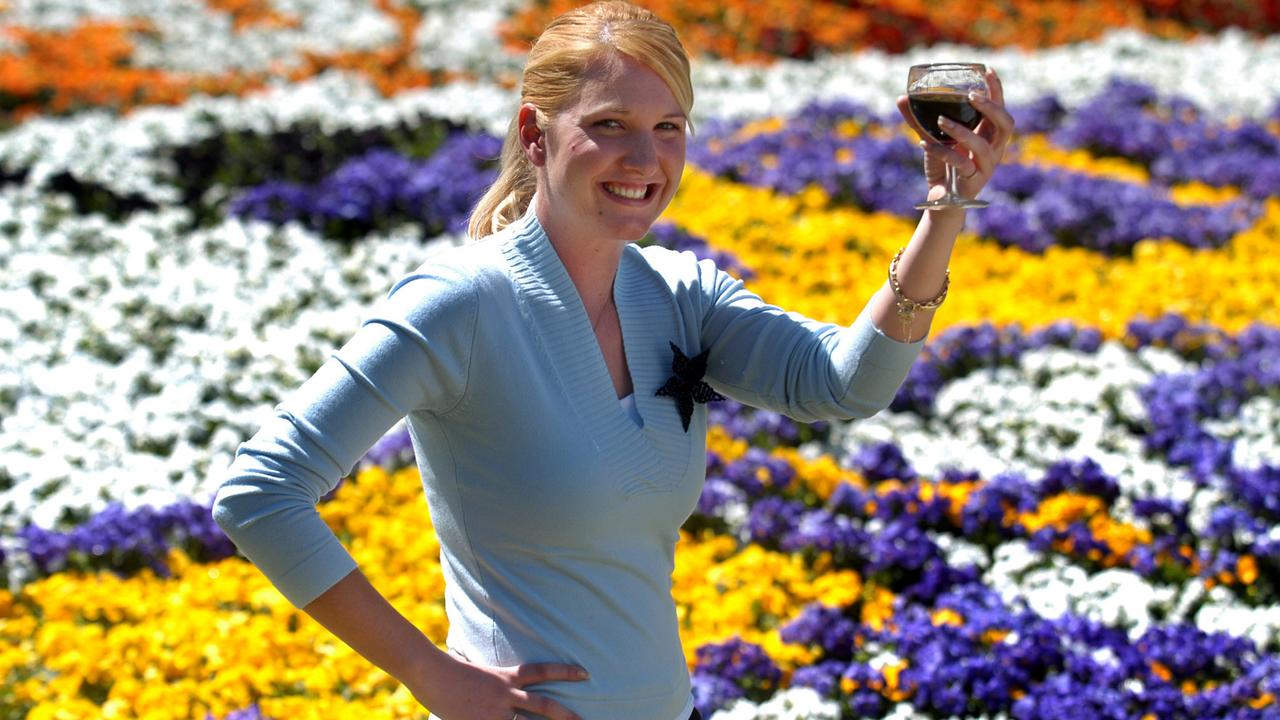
(1072, 508)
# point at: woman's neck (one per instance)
(591, 263)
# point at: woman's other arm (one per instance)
(922, 270)
(451, 688)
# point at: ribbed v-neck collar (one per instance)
(649, 458)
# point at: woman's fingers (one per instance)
(544, 672)
(947, 155)
(543, 707)
(979, 153)
(994, 87)
(531, 673)
(997, 118)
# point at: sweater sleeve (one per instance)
(411, 355)
(783, 361)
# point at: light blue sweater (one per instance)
(557, 515)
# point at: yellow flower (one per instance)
(763, 126)
(1198, 193)
(1037, 150)
(947, 616)
(891, 672)
(826, 262)
(877, 608)
(1247, 569)
(1061, 511)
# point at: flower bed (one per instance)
(753, 31)
(1070, 508)
(69, 56)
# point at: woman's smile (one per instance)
(629, 192)
(614, 157)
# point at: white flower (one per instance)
(800, 703)
(463, 37)
(146, 352)
(960, 552)
(1054, 405)
(1223, 613)
(1074, 73)
(1253, 432)
(905, 711)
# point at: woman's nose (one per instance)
(641, 153)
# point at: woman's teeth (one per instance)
(626, 192)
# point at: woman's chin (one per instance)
(632, 230)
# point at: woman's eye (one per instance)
(609, 123)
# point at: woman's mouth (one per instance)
(628, 192)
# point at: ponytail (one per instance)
(508, 197)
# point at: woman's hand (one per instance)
(976, 153)
(460, 690)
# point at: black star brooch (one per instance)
(685, 384)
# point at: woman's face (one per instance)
(613, 158)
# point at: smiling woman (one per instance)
(554, 377)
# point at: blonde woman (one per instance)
(554, 378)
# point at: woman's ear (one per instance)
(532, 138)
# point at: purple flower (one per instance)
(253, 712)
(763, 428)
(1038, 116)
(826, 627)
(125, 541)
(883, 461)
(824, 531)
(738, 661)
(669, 236)
(362, 191)
(823, 677)
(382, 187)
(275, 202)
(716, 493)
(1084, 477)
(1043, 207)
(712, 692)
(773, 518)
(730, 670)
(392, 451)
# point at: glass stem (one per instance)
(952, 179)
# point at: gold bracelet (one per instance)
(906, 306)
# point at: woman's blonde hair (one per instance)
(553, 75)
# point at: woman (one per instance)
(554, 376)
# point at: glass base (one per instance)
(952, 201)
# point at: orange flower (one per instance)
(91, 65)
(761, 30)
(253, 13)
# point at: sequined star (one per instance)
(685, 384)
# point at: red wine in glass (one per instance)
(942, 90)
(929, 106)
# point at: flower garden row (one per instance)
(1184, 429)
(746, 31)
(861, 161)
(874, 586)
(114, 164)
(1069, 510)
(151, 326)
(67, 57)
(75, 55)
(1071, 530)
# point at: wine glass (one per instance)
(942, 89)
